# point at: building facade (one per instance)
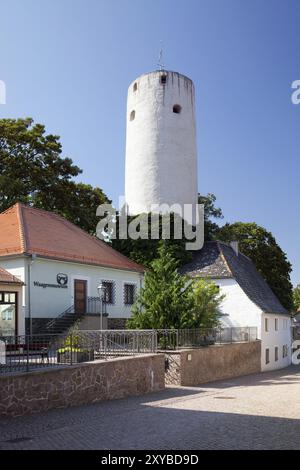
(248, 302)
(61, 268)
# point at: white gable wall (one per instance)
(243, 312)
(239, 309)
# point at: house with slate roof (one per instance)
(249, 301)
(61, 267)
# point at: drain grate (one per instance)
(225, 398)
(18, 439)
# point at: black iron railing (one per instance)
(29, 352)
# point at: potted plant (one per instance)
(72, 352)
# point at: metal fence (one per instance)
(195, 338)
(29, 352)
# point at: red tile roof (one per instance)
(25, 230)
(7, 278)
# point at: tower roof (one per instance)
(25, 230)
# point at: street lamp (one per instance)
(101, 293)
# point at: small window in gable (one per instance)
(177, 109)
(132, 115)
(163, 79)
(135, 86)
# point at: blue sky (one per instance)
(68, 63)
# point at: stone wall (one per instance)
(92, 322)
(195, 366)
(80, 384)
(116, 323)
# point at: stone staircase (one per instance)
(68, 319)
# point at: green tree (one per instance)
(33, 171)
(165, 297)
(206, 309)
(261, 247)
(77, 202)
(170, 300)
(144, 251)
(296, 298)
(211, 214)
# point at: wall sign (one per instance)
(62, 279)
(62, 282)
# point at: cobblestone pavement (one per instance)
(255, 412)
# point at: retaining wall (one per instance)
(79, 384)
(195, 366)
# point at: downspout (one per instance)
(33, 257)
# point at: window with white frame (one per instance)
(267, 356)
(276, 324)
(276, 353)
(8, 313)
(266, 324)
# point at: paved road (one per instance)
(254, 412)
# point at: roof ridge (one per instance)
(19, 208)
(229, 246)
(10, 208)
(219, 243)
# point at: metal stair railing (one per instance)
(52, 322)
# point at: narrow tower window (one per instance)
(163, 79)
(135, 87)
(132, 115)
(176, 109)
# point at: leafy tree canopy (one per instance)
(211, 214)
(206, 305)
(144, 251)
(33, 171)
(261, 247)
(296, 298)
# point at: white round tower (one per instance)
(161, 153)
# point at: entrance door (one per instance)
(80, 296)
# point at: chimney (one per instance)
(235, 246)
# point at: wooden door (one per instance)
(80, 296)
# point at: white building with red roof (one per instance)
(61, 267)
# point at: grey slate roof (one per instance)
(217, 260)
